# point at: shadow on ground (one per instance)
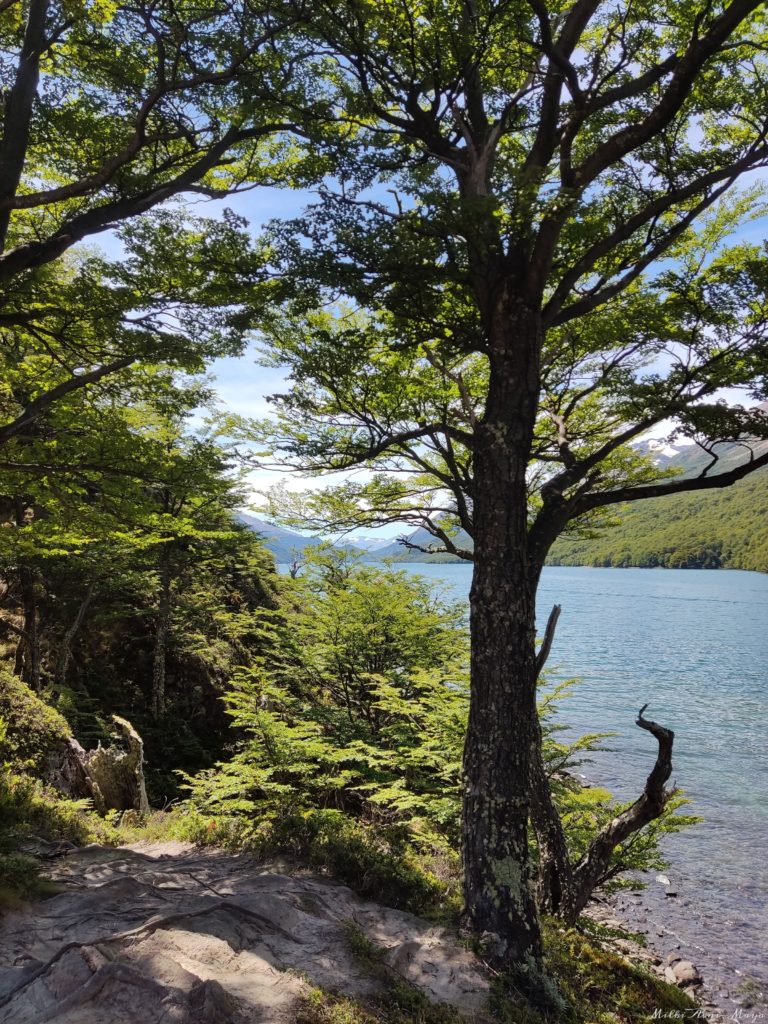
(166, 933)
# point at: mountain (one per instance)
(719, 529)
(285, 545)
(423, 538)
(368, 544)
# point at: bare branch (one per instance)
(549, 636)
(594, 865)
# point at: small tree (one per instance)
(549, 281)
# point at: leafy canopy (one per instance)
(578, 164)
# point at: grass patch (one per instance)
(593, 928)
(21, 881)
(602, 986)
(319, 1007)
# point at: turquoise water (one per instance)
(694, 645)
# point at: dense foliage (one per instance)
(367, 725)
(720, 530)
(526, 261)
(519, 260)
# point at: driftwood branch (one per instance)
(549, 636)
(594, 866)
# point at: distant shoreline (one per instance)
(573, 565)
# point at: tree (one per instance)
(126, 582)
(181, 293)
(549, 280)
(84, 340)
(113, 108)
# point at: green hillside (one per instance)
(722, 529)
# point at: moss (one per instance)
(33, 729)
(319, 1007)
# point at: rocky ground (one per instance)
(170, 934)
(166, 934)
(725, 994)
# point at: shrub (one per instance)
(370, 725)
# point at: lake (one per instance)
(694, 645)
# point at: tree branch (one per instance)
(549, 636)
(47, 398)
(18, 108)
(593, 867)
(698, 483)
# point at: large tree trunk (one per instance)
(499, 902)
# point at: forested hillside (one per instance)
(725, 529)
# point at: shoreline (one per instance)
(715, 992)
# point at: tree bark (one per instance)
(162, 628)
(499, 901)
(27, 658)
(65, 651)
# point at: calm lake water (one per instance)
(694, 645)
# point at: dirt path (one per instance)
(166, 934)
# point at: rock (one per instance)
(663, 879)
(670, 892)
(673, 958)
(670, 975)
(685, 973)
(167, 933)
